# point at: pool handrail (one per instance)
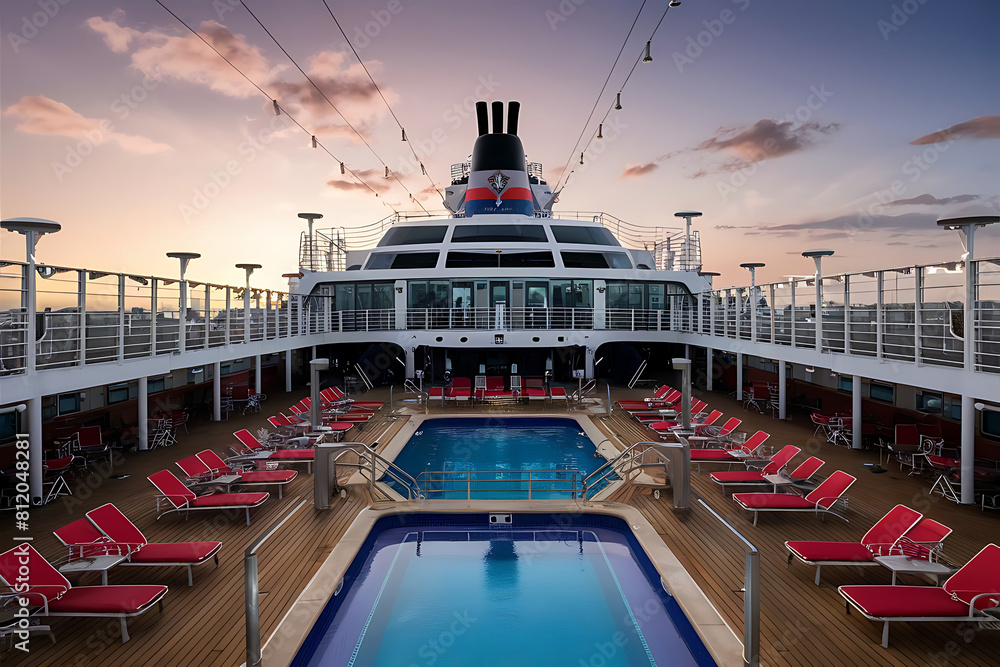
(325, 479)
(574, 489)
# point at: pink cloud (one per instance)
(44, 116)
(116, 36)
(636, 170)
(983, 127)
(372, 177)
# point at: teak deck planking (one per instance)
(801, 624)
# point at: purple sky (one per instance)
(792, 125)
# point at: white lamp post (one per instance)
(817, 258)
(687, 215)
(184, 258)
(249, 268)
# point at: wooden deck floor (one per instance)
(802, 624)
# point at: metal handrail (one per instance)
(751, 598)
(252, 591)
(431, 476)
(638, 373)
(606, 469)
(375, 465)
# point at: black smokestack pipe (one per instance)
(498, 118)
(513, 109)
(483, 118)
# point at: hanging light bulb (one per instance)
(618, 101)
(342, 169)
(674, 3)
(648, 58)
(404, 133)
(600, 131)
(314, 141)
(387, 171)
(423, 171)
(581, 158)
(277, 109)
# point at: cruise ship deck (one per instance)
(800, 622)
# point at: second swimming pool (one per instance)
(499, 457)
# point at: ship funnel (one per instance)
(498, 179)
(483, 118)
(513, 109)
(498, 118)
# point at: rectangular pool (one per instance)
(572, 590)
(490, 457)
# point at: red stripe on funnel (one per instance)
(475, 194)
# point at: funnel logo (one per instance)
(498, 182)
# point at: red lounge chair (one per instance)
(57, 597)
(752, 477)
(730, 455)
(876, 542)
(181, 498)
(963, 598)
(821, 500)
(250, 445)
(708, 434)
(117, 528)
(247, 477)
(557, 393)
(663, 427)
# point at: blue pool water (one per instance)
(576, 593)
(504, 446)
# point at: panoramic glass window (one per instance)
(499, 234)
(476, 260)
(402, 260)
(588, 235)
(413, 235)
(595, 260)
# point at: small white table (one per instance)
(778, 481)
(93, 564)
(904, 564)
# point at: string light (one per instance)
(618, 102)
(277, 109)
(648, 58)
(600, 130)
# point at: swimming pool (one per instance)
(443, 453)
(432, 589)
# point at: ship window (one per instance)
(588, 235)
(413, 235)
(474, 260)
(499, 234)
(845, 383)
(929, 402)
(882, 392)
(69, 403)
(118, 392)
(990, 423)
(595, 260)
(402, 260)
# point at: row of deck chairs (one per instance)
(970, 595)
(103, 531)
(491, 388)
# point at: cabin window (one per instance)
(402, 260)
(474, 260)
(885, 393)
(499, 234)
(69, 403)
(845, 383)
(595, 260)
(584, 235)
(990, 423)
(118, 393)
(413, 235)
(155, 384)
(929, 402)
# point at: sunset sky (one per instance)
(792, 125)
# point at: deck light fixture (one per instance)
(687, 215)
(600, 130)
(674, 3)
(648, 58)
(817, 258)
(184, 258)
(618, 102)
